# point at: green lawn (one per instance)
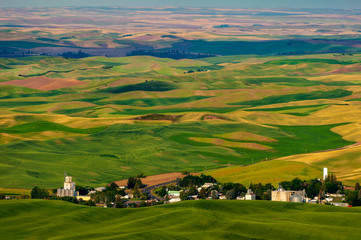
(204, 219)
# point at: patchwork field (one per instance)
(29, 219)
(153, 115)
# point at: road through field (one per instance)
(149, 190)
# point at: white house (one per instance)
(250, 195)
(100, 189)
(173, 200)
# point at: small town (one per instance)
(132, 192)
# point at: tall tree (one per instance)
(183, 195)
(131, 182)
(230, 194)
(39, 193)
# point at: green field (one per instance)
(163, 148)
(204, 219)
(153, 116)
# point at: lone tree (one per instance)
(357, 186)
(39, 193)
(131, 182)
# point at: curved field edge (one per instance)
(344, 162)
(123, 150)
(203, 219)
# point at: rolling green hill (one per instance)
(204, 219)
(154, 115)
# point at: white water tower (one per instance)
(325, 173)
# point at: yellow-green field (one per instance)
(157, 115)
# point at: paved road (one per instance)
(149, 190)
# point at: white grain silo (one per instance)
(325, 173)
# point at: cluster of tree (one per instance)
(232, 190)
(262, 192)
(189, 183)
(314, 187)
(78, 54)
(229, 190)
(39, 193)
(161, 191)
(198, 70)
(134, 182)
(141, 175)
(21, 196)
(109, 195)
(332, 185)
(174, 54)
(353, 198)
(191, 180)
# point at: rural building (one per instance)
(282, 195)
(207, 185)
(250, 195)
(173, 193)
(69, 188)
(100, 189)
(173, 200)
(325, 173)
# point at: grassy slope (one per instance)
(264, 172)
(34, 219)
(163, 148)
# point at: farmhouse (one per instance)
(282, 195)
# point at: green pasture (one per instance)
(338, 93)
(147, 148)
(204, 219)
(293, 110)
(40, 126)
(137, 86)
